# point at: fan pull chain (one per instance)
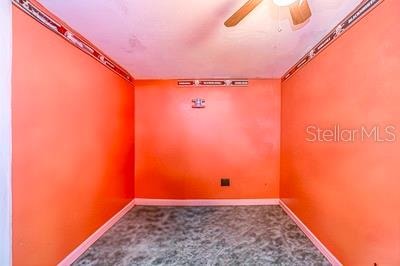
(279, 19)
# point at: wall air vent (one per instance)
(198, 103)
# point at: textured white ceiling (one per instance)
(160, 39)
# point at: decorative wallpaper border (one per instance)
(364, 8)
(84, 45)
(213, 83)
(71, 36)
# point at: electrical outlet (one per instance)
(225, 182)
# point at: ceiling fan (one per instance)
(299, 10)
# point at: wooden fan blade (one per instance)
(300, 11)
(242, 12)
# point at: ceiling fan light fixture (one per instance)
(284, 2)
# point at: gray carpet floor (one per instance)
(240, 235)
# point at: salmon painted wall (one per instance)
(347, 193)
(73, 144)
(181, 153)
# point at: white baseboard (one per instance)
(328, 255)
(204, 202)
(74, 255)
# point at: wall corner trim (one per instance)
(318, 244)
(204, 202)
(74, 255)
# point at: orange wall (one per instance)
(347, 193)
(73, 137)
(181, 153)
